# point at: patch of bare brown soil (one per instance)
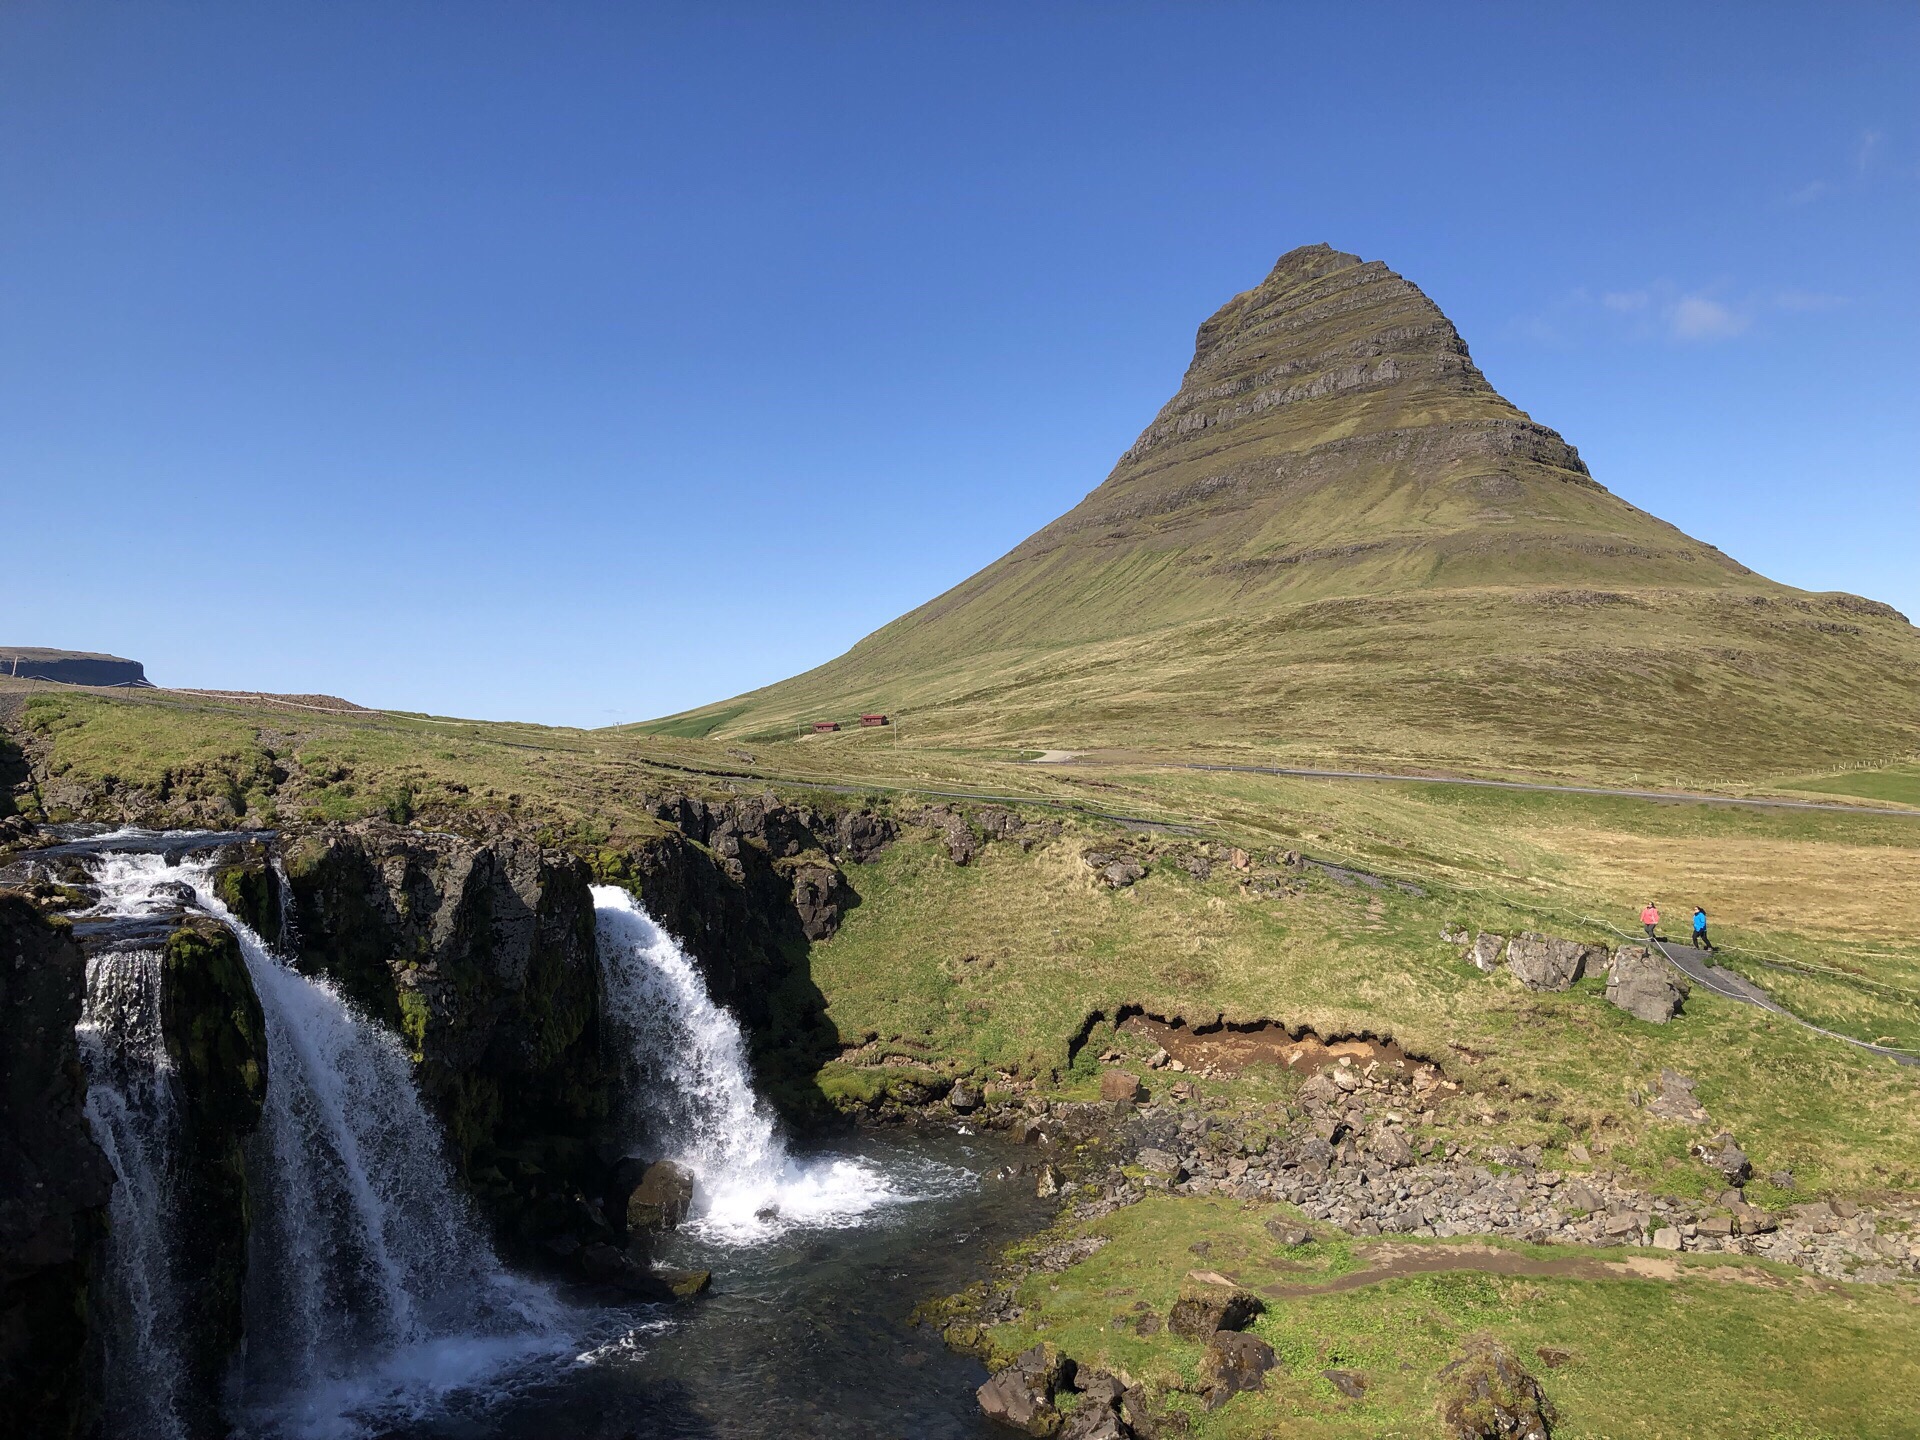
(1229, 1049)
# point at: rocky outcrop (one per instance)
(1546, 962)
(1020, 1395)
(70, 667)
(481, 955)
(1644, 985)
(1487, 1394)
(1234, 1362)
(1676, 1100)
(747, 885)
(217, 1042)
(1202, 1309)
(1484, 953)
(54, 1182)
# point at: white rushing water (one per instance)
(372, 1296)
(690, 1093)
(130, 1107)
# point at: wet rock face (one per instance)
(481, 955)
(660, 1198)
(1488, 1395)
(54, 1182)
(1645, 986)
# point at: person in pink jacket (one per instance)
(1650, 917)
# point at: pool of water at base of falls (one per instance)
(805, 1333)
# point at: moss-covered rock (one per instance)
(216, 1038)
(54, 1182)
(245, 882)
(1486, 1394)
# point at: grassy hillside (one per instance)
(1337, 541)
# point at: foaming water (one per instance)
(130, 1107)
(689, 1091)
(372, 1297)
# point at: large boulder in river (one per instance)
(660, 1198)
(1645, 985)
(1020, 1395)
(54, 1182)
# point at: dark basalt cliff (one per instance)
(479, 952)
(54, 1182)
(69, 667)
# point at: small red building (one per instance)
(875, 720)
(821, 727)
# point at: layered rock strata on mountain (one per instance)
(1336, 536)
(54, 1181)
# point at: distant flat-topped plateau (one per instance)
(1338, 540)
(69, 667)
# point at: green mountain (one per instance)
(1338, 541)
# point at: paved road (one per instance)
(1688, 796)
(1698, 966)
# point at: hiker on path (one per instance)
(1700, 941)
(1650, 917)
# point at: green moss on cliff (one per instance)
(247, 888)
(216, 1037)
(415, 1013)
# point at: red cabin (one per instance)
(875, 720)
(821, 727)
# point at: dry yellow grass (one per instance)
(1857, 892)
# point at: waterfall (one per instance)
(372, 1297)
(131, 1111)
(690, 1098)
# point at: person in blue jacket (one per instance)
(1700, 941)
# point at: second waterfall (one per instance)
(689, 1093)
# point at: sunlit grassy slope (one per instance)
(1338, 541)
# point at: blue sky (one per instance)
(583, 363)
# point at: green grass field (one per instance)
(1732, 1350)
(1895, 785)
